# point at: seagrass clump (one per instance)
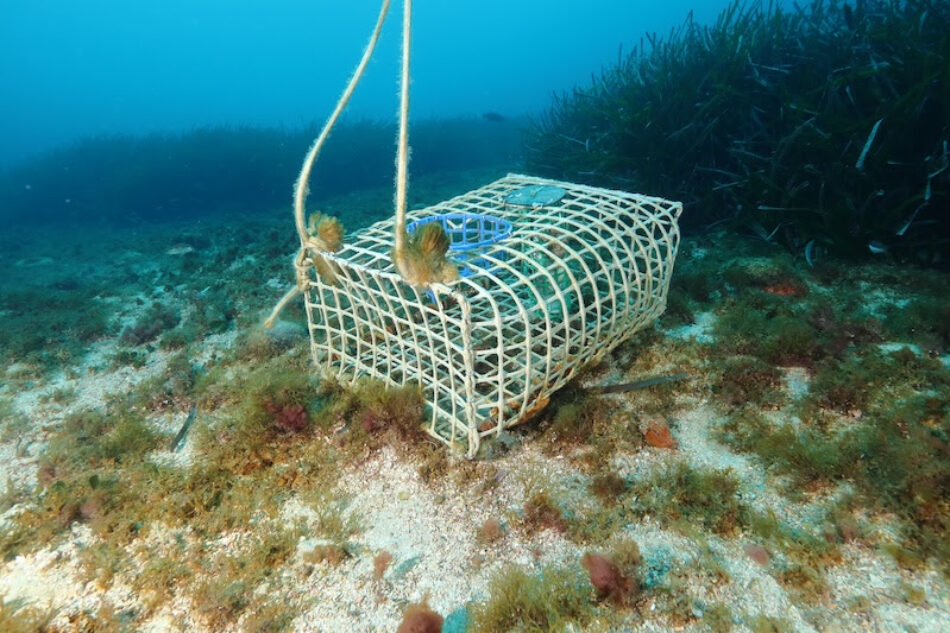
(550, 277)
(820, 125)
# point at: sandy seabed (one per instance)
(431, 528)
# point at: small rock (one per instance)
(285, 334)
(419, 618)
(656, 433)
(757, 553)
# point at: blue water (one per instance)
(69, 70)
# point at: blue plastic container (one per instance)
(468, 232)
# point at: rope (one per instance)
(300, 187)
(269, 321)
(402, 153)
(290, 294)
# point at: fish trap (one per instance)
(552, 276)
(519, 285)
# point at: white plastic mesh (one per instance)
(544, 289)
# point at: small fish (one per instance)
(810, 253)
(633, 386)
(494, 117)
(877, 247)
(180, 249)
(180, 436)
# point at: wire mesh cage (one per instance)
(552, 276)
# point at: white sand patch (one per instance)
(878, 299)
(47, 579)
(432, 537)
(700, 330)
(872, 586)
(164, 622)
(18, 463)
(692, 430)
(215, 344)
(753, 589)
(890, 617)
(41, 415)
(796, 380)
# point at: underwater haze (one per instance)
(75, 69)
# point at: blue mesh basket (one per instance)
(468, 233)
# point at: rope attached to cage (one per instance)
(419, 259)
(307, 240)
(402, 147)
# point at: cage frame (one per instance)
(606, 262)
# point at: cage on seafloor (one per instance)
(552, 276)
(490, 301)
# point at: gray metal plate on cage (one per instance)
(536, 195)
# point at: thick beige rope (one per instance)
(300, 187)
(402, 151)
(420, 260)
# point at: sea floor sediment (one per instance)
(795, 480)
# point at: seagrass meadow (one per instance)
(771, 455)
(821, 126)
